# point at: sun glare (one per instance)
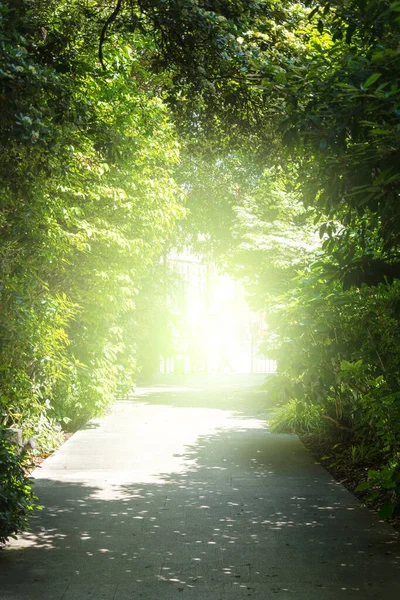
(217, 331)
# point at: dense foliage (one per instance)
(334, 322)
(87, 201)
(16, 497)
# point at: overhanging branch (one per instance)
(106, 25)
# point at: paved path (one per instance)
(182, 493)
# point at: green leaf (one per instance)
(365, 485)
(386, 512)
(371, 80)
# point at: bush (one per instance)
(295, 417)
(384, 485)
(16, 497)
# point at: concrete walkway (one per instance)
(181, 492)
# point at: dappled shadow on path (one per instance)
(225, 512)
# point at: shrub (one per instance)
(295, 417)
(16, 497)
(385, 485)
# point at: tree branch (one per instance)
(106, 25)
(337, 423)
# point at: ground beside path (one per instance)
(181, 492)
